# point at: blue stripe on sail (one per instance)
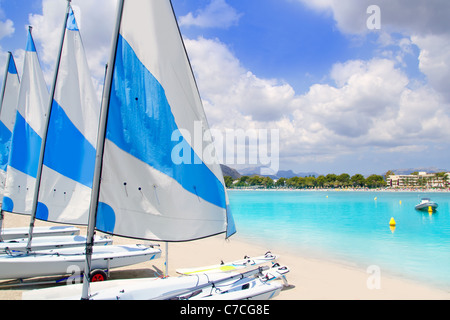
(66, 150)
(30, 44)
(12, 66)
(71, 22)
(7, 204)
(106, 218)
(141, 123)
(231, 226)
(42, 212)
(26, 148)
(5, 142)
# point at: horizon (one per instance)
(249, 171)
(350, 86)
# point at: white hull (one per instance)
(17, 233)
(49, 243)
(230, 266)
(260, 291)
(426, 206)
(66, 261)
(220, 286)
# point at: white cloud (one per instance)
(226, 86)
(6, 28)
(217, 14)
(371, 105)
(96, 26)
(435, 60)
(424, 24)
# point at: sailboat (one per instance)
(16, 239)
(64, 177)
(17, 174)
(8, 111)
(141, 188)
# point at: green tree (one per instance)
(320, 181)
(243, 181)
(255, 181)
(228, 181)
(344, 179)
(280, 182)
(268, 182)
(375, 181)
(358, 180)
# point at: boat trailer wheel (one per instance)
(98, 275)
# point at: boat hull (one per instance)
(17, 233)
(72, 260)
(213, 286)
(153, 289)
(49, 243)
(426, 206)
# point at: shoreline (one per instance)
(309, 278)
(344, 190)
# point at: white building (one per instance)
(422, 179)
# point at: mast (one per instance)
(47, 121)
(99, 155)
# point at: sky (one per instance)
(351, 86)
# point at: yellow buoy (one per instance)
(400, 202)
(375, 198)
(392, 222)
(430, 209)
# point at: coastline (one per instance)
(416, 190)
(309, 278)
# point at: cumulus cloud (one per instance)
(6, 28)
(226, 86)
(95, 27)
(369, 104)
(423, 23)
(217, 14)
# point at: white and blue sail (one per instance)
(27, 135)
(69, 152)
(151, 97)
(140, 189)
(8, 109)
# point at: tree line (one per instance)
(322, 181)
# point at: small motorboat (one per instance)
(426, 204)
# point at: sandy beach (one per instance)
(309, 279)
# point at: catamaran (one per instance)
(143, 188)
(62, 171)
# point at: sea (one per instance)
(351, 227)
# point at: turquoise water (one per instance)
(353, 227)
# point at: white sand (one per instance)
(309, 279)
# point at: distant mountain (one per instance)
(280, 174)
(411, 170)
(227, 171)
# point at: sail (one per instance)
(154, 182)
(27, 135)
(69, 155)
(8, 109)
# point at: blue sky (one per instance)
(343, 98)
